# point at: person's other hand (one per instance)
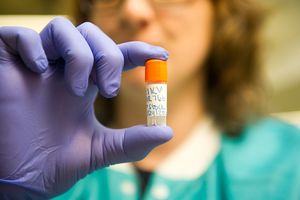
(49, 136)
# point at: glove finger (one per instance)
(62, 40)
(108, 58)
(137, 53)
(126, 145)
(140, 140)
(27, 43)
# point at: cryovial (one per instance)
(156, 92)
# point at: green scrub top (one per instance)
(262, 163)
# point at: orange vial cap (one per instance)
(156, 71)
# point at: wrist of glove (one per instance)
(10, 190)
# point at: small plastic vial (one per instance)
(156, 92)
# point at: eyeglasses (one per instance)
(111, 4)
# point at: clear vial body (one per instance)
(156, 98)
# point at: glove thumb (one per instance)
(126, 145)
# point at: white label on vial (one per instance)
(156, 99)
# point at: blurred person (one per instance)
(223, 146)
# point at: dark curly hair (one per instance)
(234, 85)
(232, 74)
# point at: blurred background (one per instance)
(281, 44)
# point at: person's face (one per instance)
(183, 27)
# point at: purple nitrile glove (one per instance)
(49, 136)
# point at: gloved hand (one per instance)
(49, 136)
